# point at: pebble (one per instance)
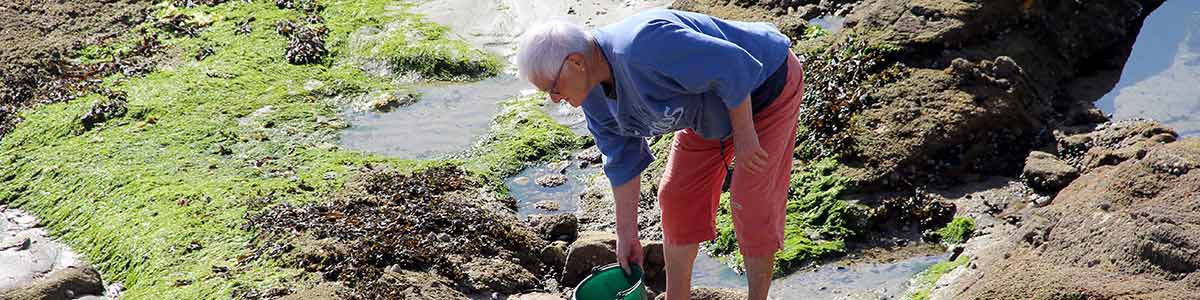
(552, 180)
(549, 205)
(521, 180)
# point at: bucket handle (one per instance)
(633, 286)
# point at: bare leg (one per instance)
(679, 270)
(758, 271)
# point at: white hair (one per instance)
(544, 47)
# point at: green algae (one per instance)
(923, 283)
(817, 222)
(157, 197)
(521, 133)
(958, 231)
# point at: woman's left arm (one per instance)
(746, 147)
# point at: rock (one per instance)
(549, 205)
(552, 180)
(559, 167)
(654, 265)
(1046, 172)
(67, 283)
(594, 248)
(1117, 231)
(712, 294)
(418, 286)
(17, 242)
(1111, 143)
(113, 106)
(560, 227)
(536, 296)
(554, 255)
(590, 250)
(522, 180)
(590, 155)
(596, 210)
(499, 276)
(323, 291)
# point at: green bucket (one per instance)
(610, 283)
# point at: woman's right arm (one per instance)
(629, 245)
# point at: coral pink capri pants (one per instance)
(690, 191)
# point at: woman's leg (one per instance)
(689, 193)
(759, 201)
(680, 259)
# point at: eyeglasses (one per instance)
(554, 84)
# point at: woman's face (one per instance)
(570, 84)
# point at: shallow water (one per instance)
(495, 25)
(831, 23)
(450, 117)
(1159, 79)
(885, 280)
(525, 189)
(447, 119)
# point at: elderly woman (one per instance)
(716, 84)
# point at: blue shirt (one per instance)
(673, 70)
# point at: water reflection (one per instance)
(1159, 79)
(447, 118)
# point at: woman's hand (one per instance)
(747, 150)
(750, 153)
(629, 250)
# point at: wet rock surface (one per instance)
(597, 211)
(499, 276)
(1111, 143)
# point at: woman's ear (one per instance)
(576, 59)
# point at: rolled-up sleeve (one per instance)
(693, 62)
(625, 157)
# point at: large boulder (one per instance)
(1125, 231)
(591, 249)
(594, 248)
